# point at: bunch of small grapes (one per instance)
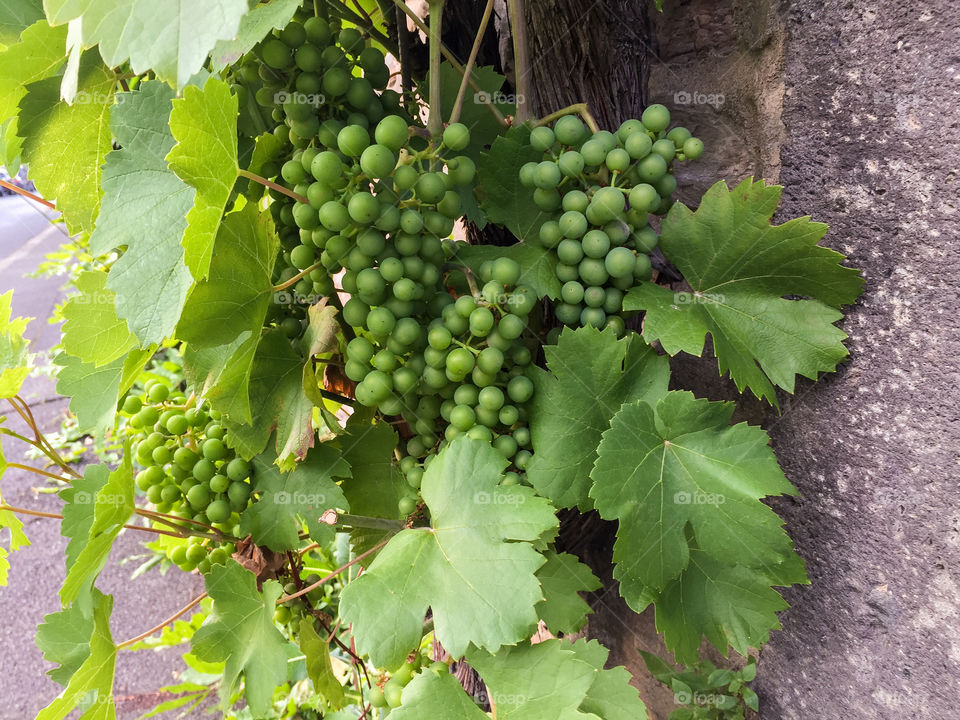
(290, 612)
(389, 693)
(601, 189)
(187, 469)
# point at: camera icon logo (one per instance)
(682, 498)
(481, 498)
(682, 97)
(281, 497)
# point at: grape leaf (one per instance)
(375, 484)
(729, 605)
(12, 523)
(78, 507)
(660, 469)
(505, 200)
(562, 578)
(64, 639)
(306, 491)
(556, 679)
(277, 402)
(112, 507)
(319, 667)
(38, 55)
(91, 686)
(240, 632)
(94, 391)
(225, 313)
(537, 264)
(474, 566)
(92, 331)
(741, 268)
(204, 124)
(150, 278)
(254, 26)
(14, 359)
(591, 375)
(15, 17)
(438, 697)
(65, 145)
(173, 38)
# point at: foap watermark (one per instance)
(698, 498)
(82, 497)
(501, 701)
(298, 98)
(282, 497)
(695, 97)
(687, 697)
(92, 98)
(697, 298)
(498, 98)
(289, 297)
(498, 498)
(898, 101)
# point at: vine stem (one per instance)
(27, 194)
(41, 443)
(521, 59)
(176, 616)
(471, 61)
(435, 120)
(403, 55)
(580, 109)
(332, 575)
(482, 96)
(342, 399)
(38, 471)
(58, 516)
(297, 278)
(271, 184)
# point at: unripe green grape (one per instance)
(439, 338)
(377, 161)
(693, 148)
(291, 326)
(592, 271)
(363, 208)
(462, 170)
(573, 224)
(550, 234)
(438, 223)
(308, 58)
(594, 153)
(360, 93)
(481, 322)
(463, 417)
(380, 321)
(678, 136)
(655, 118)
(666, 185)
(491, 398)
(430, 187)
(566, 273)
(276, 54)
(456, 136)
(528, 173)
(620, 262)
(198, 497)
(628, 128)
(218, 511)
(351, 40)
(353, 140)
(644, 197)
(608, 203)
(305, 216)
(492, 292)
(571, 292)
(642, 270)
(593, 316)
(302, 257)
(460, 362)
(617, 159)
(214, 449)
(665, 149)
(326, 167)
(158, 393)
(638, 145)
(505, 445)
(355, 312)
(450, 205)
(547, 175)
(613, 302)
(542, 138)
(522, 301)
(594, 297)
(651, 168)
(132, 405)
(570, 252)
(575, 201)
(569, 130)
(596, 244)
(464, 305)
(334, 216)
(510, 327)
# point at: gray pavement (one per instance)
(37, 571)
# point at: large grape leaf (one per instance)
(38, 54)
(661, 468)
(91, 686)
(556, 679)
(65, 145)
(591, 375)
(150, 279)
(112, 507)
(506, 201)
(204, 124)
(562, 578)
(729, 605)
(277, 402)
(741, 268)
(304, 492)
(254, 26)
(64, 639)
(438, 697)
(173, 37)
(375, 484)
(240, 632)
(94, 391)
(78, 507)
(92, 331)
(15, 17)
(473, 566)
(14, 358)
(225, 313)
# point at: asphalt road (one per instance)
(37, 571)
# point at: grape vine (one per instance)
(360, 427)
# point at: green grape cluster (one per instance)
(290, 612)
(188, 471)
(601, 188)
(389, 694)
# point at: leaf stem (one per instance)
(297, 278)
(580, 109)
(435, 120)
(368, 522)
(271, 184)
(38, 471)
(176, 616)
(332, 575)
(521, 59)
(471, 61)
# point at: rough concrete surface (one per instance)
(37, 571)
